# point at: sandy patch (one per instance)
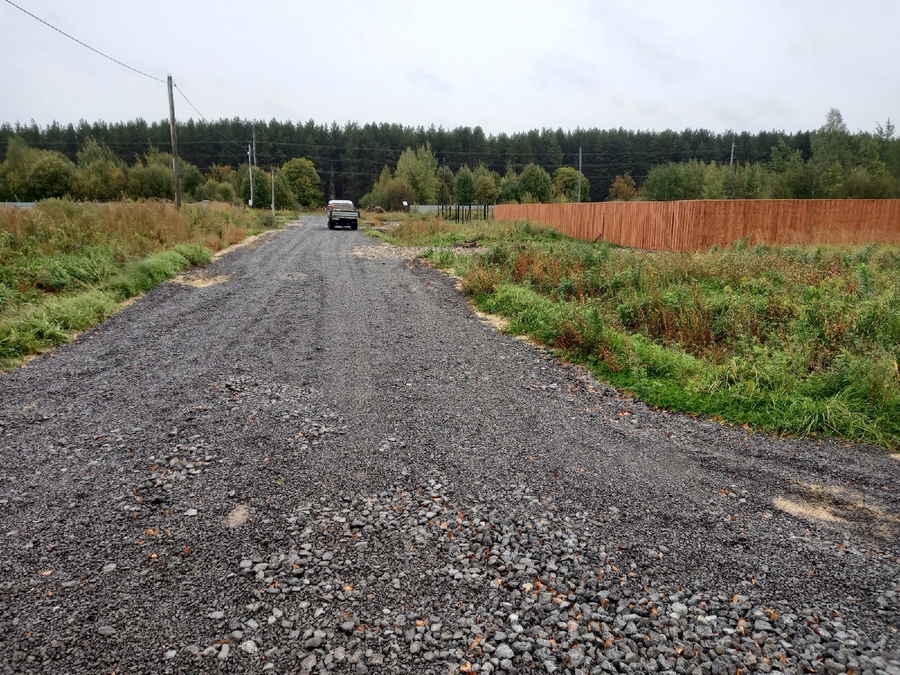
(387, 252)
(806, 511)
(239, 515)
(498, 322)
(839, 506)
(200, 280)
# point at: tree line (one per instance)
(617, 163)
(841, 165)
(419, 179)
(98, 174)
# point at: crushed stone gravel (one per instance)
(326, 462)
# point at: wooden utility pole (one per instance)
(174, 146)
(579, 174)
(250, 169)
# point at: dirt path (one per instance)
(312, 456)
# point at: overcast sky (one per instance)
(504, 65)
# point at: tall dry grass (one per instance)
(135, 228)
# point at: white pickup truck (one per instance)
(342, 212)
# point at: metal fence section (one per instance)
(459, 212)
(700, 225)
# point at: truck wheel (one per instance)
(354, 225)
(330, 224)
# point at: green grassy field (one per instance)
(795, 341)
(66, 266)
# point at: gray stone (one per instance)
(307, 664)
(503, 651)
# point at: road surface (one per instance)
(313, 456)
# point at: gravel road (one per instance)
(312, 456)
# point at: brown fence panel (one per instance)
(699, 225)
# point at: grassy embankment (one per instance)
(65, 266)
(796, 341)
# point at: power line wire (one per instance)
(74, 39)
(203, 118)
(124, 65)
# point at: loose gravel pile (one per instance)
(326, 463)
(505, 584)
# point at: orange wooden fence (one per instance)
(699, 225)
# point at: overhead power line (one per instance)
(87, 46)
(207, 121)
(124, 65)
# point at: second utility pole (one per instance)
(579, 174)
(174, 147)
(250, 169)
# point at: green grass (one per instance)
(52, 322)
(795, 341)
(143, 275)
(65, 267)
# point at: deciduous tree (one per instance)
(486, 190)
(14, 170)
(565, 184)
(51, 175)
(623, 189)
(396, 191)
(100, 175)
(303, 180)
(261, 187)
(419, 168)
(464, 186)
(536, 182)
(445, 185)
(510, 192)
